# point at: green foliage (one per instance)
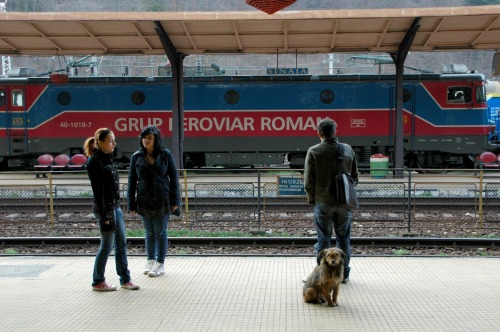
(189, 233)
(135, 232)
(10, 251)
(489, 236)
(201, 233)
(402, 252)
(482, 252)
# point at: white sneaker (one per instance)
(149, 266)
(157, 270)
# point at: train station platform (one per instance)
(251, 294)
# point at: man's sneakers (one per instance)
(103, 287)
(130, 285)
(157, 270)
(150, 264)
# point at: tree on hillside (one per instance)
(248, 64)
(481, 2)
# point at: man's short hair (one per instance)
(327, 128)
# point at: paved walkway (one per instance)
(251, 294)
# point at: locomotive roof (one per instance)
(249, 79)
(318, 31)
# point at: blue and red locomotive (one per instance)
(237, 121)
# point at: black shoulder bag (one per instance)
(346, 191)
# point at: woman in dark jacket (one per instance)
(154, 193)
(105, 186)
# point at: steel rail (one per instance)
(262, 241)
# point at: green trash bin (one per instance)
(379, 166)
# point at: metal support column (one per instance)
(177, 62)
(399, 60)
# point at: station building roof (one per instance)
(246, 32)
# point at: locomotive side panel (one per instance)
(281, 116)
(243, 121)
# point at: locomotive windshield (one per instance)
(480, 94)
(459, 94)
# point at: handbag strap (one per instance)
(340, 158)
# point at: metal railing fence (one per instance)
(275, 195)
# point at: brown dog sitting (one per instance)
(324, 282)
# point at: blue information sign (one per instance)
(290, 186)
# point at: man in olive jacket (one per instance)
(321, 168)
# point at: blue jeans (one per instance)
(108, 239)
(324, 217)
(156, 237)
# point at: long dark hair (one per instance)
(159, 144)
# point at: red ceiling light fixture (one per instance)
(270, 6)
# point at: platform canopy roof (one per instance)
(318, 31)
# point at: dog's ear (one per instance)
(322, 253)
(342, 254)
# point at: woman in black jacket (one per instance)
(154, 193)
(106, 188)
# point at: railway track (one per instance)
(210, 204)
(433, 220)
(419, 242)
